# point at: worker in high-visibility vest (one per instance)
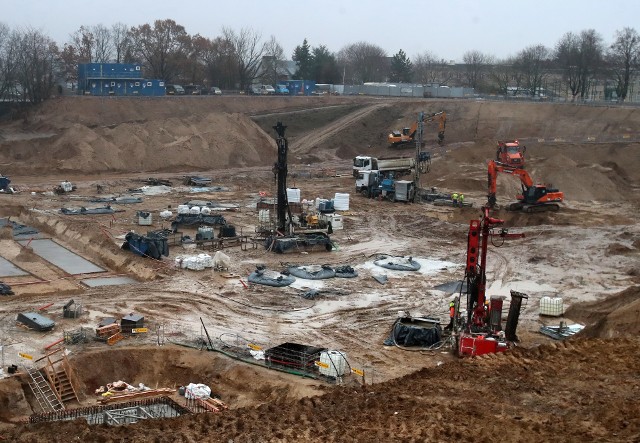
(452, 314)
(460, 199)
(454, 197)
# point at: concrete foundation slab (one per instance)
(108, 281)
(61, 257)
(8, 269)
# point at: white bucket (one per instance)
(205, 211)
(183, 209)
(195, 210)
(341, 202)
(293, 195)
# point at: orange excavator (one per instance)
(407, 135)
(534, 197)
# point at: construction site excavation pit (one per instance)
(585, 254)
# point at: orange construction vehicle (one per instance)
(534, 198)
(510, 153)
(407, 135)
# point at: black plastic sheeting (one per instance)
(146, 246)
(411, 332)
(118, 200)
(398, 263)
(35, 321)
(284, 244)
(18, 229)
(197, 219)
(5, 289)
(260, 277)
(312, 274)
(87, 211)
(346, 272)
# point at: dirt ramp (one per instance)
(615, 316)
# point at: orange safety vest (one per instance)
(452, 311)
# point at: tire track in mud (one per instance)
(306, 142)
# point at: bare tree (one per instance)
(425, 68)
(476, 64)
(84, 43)
(248, 52)
(162, 47)
(121, 39)
(102, 44)
(579, 57)
(364, 62)
(272, 62)
(623, 60)
(506, 74)
(193, 70)
(533, 63)
(34, 64)
(7, 62)
(221, 64)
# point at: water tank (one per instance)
(341, 202)
(336, 362)
(205, 211)
(183, 209)
(205, 233)
(195, 210)
(263, 216)
(551, 306)
(293, 195)
(144, 218)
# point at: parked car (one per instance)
(282, 90)
(195, 90)
(267, 90)
(175, 90)
(215, 90)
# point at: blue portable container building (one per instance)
(121, 79)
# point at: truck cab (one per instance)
(510, 153)
(364, 163)
(368, 183)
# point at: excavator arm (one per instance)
(495, 167)
(407, 135)
(535, 198)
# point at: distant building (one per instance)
(119, 79)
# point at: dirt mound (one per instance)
(615, 316)
(216, 140)
(501, 397)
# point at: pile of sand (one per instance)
(614, 316)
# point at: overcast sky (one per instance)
(447, 28)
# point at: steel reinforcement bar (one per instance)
(72, 414)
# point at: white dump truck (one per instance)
(398, 165)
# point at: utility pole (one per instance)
(416, 168)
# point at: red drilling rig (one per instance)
(478, 321)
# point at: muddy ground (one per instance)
(587, 254)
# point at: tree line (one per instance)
(31, 63)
